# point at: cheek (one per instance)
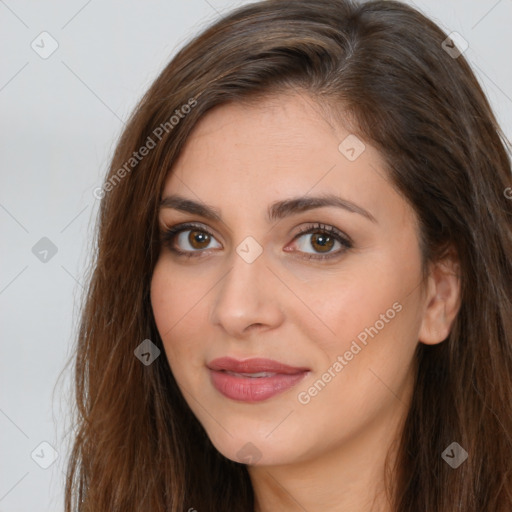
(344, 304)
(365, 367)
(369, 317)
(174, 303)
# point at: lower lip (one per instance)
(253, 389)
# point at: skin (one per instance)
(329, 453)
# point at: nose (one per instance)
(246, 298)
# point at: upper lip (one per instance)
(253, 365)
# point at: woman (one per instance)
(302, 292)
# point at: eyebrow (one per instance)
(277, 210)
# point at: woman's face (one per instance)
(333, 291)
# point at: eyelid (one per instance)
(319, 226)
(168, 234)
(315, 227)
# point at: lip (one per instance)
(254, 365)
(253, 389)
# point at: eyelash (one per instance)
(168, 236)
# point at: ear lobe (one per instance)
(442, 301)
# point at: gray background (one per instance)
(60, 119)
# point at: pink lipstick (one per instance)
(253, 380)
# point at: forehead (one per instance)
(255, 154)
(285, 133)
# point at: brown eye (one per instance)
(198, 239)
(189, 239)
(322, 242)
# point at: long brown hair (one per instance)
(137, 445)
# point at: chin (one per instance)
(253, 450)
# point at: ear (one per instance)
(442, 300)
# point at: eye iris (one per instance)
(198, 239)
(325, 241)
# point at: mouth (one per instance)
(258, 375)
(253, 380)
